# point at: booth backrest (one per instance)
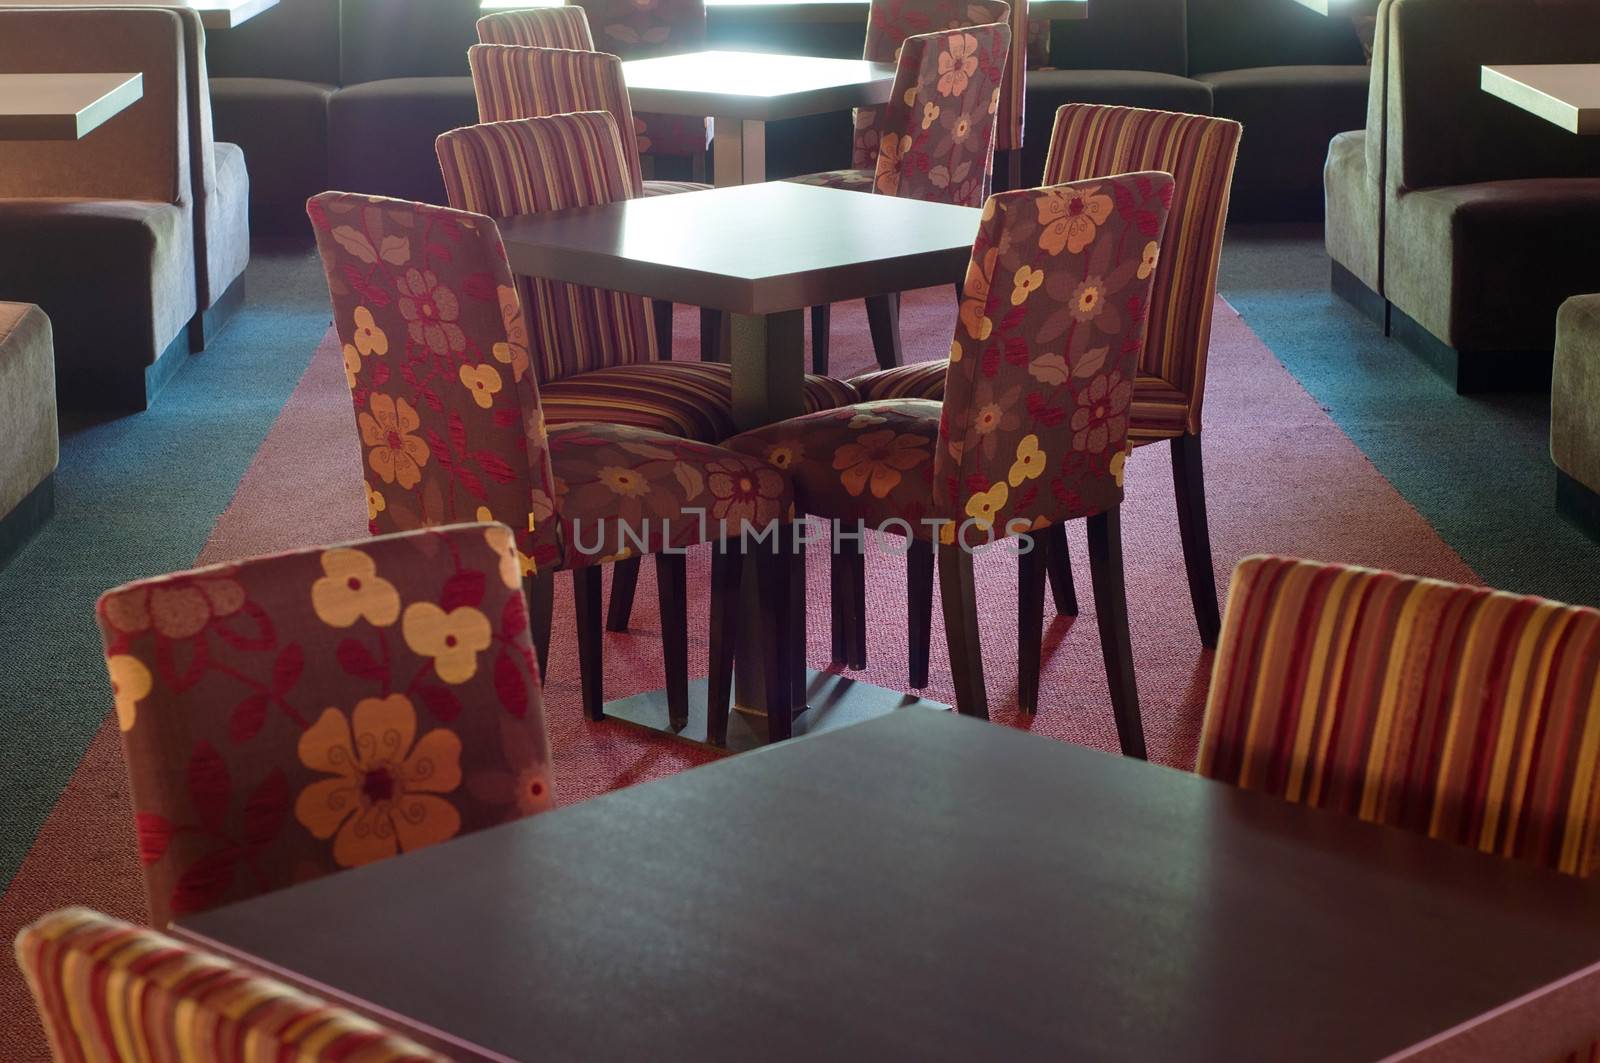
(1443, 129)
(1239, 34)
(298, 40)
(1126, 35)
(142, 153)
(380, 39)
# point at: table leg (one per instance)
(740, 151)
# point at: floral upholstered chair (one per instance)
(1165, 404)
(538, 27)
(290, 716)
(644, 29)
(935, 142)
(442, 365)
(110, 991)
(1030, 434)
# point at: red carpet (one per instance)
(1282, 479)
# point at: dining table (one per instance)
(63, 106)
(762, 254)
(812, 11)
(214, 14)
(929, 887)
(1566, 94)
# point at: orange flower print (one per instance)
(628, 483)
(1030, 461)
(482, 383)
(984, 506)
(514, 351)
(502, 543)
(452, 639)
(930, 114)
(1071, 217)
(784, 455)
(957, 63)
(376, 503)
(370, 339)
(891, 150)
(430, 310)
(130, 684)
(177, 608)
(352, 365)
(383, 797)
(1025, 282)
(877, 459)
(1149, 260)
(351, 589)
(1102, 413)
(1088, 299)
(1119, 465)
(743, 496)
(396, 456)
(975, 292)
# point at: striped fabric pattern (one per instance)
(1092, 140)
(111, 992)
(1463, 713)
(538, 27)
(534, 165)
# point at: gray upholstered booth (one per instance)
(29, 449)
(1575, 411)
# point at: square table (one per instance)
(214, 14)
(63, 106)
(762, 254)
(1567, 94)
(931, 887)
(813, 11)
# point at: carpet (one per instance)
(1283, 478)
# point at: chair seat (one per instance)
(692, 400)
(672, 188)
(1159, 411)
(849, 180)
(618, 487)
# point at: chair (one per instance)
(110, 991)
(33, 449)
(935, 143)
(287, 717)
(1199, 153)
(635, 30)
(538, 27)
(1022, 442)
(447, 402)
(121, 198)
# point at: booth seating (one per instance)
(100, 232)
(1575, 412)
(29, 448)
(1353, 182)
(1488, 212)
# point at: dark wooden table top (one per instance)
(928, 887)
(750, 249)
(754, 86)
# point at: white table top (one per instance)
(824, 10)
(754, 86)
(63, 106)
(214, 14)
(1567, 94)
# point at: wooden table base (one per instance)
(833, 701)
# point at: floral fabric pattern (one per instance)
(290, 716)
(642, 29)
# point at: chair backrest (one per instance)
(436, 355)
(1199, 152)
(141, 154)
(889, 23)
(1052, 319)
(538, 27)
(1463, 713)
(289, 716)
(937, 132)
(556, 163)
(109, 990)
(637, 30)
(514, 82)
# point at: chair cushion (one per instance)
(27, 402)
(672, 188)
(381, 134)
(689, 399)
(1575, 391)
(282, 127)
(1159, 410)
(850, 180)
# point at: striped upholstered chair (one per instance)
(287, 717)
(1199, 152)
(444, 373)
(935, 143)
(111, 992)
(1020, 443)
(538, 27)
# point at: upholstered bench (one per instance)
(28, 441)
(1575, 412)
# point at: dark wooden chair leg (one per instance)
(883, 320)
(672, 591)
(960, 600)
(1030, 613)
(541, 592)
(1058, 563)
(821, 333)
(663, 315)
(1189, 480)
(774, 583)
(848, 577)
(624, 583)
(919, 608)
(711, 336)
(1111, 609)
(591, 672)
(727, 566)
